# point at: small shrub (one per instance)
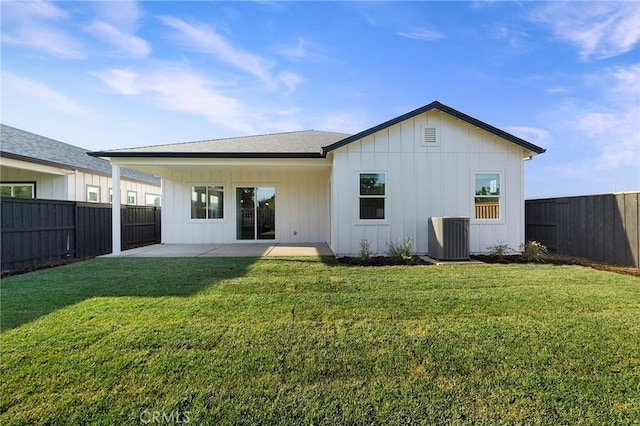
(534, 251)
(365, 250)
(401, 249)
(497, 251)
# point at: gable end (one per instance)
(446, 109)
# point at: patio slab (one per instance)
(228, 250)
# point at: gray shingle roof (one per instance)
(26, 146)
(307, 143)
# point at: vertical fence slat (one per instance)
(34, 232)
(598, 227)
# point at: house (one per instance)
(381, 184)
(34, 166)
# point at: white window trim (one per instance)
(225, 204)
(501, 199)
(384, 221)
(135, 198)
(97, 188)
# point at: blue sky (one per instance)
(105, 75)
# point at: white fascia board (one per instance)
(228, 162)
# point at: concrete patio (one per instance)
(228, 250)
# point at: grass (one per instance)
(309, 341)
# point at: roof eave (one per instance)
(131, 154)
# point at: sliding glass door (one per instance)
(256, 213)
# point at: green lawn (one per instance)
(309, 341)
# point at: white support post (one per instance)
(115, 210)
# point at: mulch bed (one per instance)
(553, 259)
(559, 259)
(382, 261)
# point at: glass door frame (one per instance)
(256, 232)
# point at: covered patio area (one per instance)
(227, 250)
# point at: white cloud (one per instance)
(291, 80)
(36, 25)
(295, 52)
(205, 39)
(44, 94)
(423, 34)
(27, 10)
(531, 134)
(126, 43)
(177, 89)
(123, 14)
(599, 29)
(345, 122)
(612, 124)
(558, 89)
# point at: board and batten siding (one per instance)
(301, 204)
(72, 185)
(79, 181)
(48, 186)
(54, 183)
(424, 181)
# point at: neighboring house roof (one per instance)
(304, 144)
(307, 143)
(25, 146)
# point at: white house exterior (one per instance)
(381, 184)
(34, 166)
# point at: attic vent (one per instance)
(429, 136)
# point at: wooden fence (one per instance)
(35, 232)
(598, 227)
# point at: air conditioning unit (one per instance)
(449, 238)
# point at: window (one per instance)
(110, 195)
(372, 196)
(152, 200)
(93, 194)
(132, 197)
(487, 197)
(207, 202)
(18, 189)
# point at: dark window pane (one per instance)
(371, 183)
(216, 202)
(199, 202)
(371, 208)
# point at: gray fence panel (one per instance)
(35, 232)
(598, 227)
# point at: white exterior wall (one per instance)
(60, 184)
(422, 182)
(53, 187)
(301, 203)
(79, 181)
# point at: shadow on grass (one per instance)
(30, 296)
